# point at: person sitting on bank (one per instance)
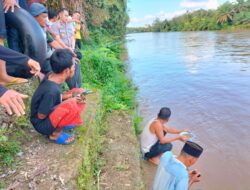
(52, 112)
(153, 139)
(173, 174)
(40, 13)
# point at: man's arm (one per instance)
(173, 130)
(46, 106)
(73, 41)
(160, 134)
(55, 45)
(11, 56)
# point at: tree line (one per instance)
(228, 15)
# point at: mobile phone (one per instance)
(87, 92)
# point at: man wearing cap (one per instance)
(40, 13)
(173, 174)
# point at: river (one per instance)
(204, 77)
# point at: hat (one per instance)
(37, 9)
(192, 149)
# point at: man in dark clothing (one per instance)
(4, 7)
(50, 110)
(19, 65)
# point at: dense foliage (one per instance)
(105, 16)
(229, 15)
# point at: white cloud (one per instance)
(185, 5)
(196, 4)
(148, 19)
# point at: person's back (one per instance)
(171, 174)
(148, 139)
(45, 98)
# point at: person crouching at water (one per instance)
(51, 112)
(173, 174)
(153, 140)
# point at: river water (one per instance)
(204, 77)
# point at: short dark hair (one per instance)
(164, 113)
(76, 12)
(62, 10)
(61, 59)
(52, 13)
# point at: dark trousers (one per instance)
(2, 21)
(76, 80)
(158, 149)
(78, 44)
(17, 70)
(13, 35)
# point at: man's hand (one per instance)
(34, 66)
(194, 177)
(183, 138)
(9, 4)
(13, 102)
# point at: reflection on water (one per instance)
(204, 77)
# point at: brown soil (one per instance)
(149, 171)
(122, 169)
(43, 165)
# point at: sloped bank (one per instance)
(116, 164)
(107, 133)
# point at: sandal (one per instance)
(62, 139)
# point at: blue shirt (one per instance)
(171, 174)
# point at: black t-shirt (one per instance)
(44, 100)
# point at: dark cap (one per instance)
(36, 9)
(192, 149)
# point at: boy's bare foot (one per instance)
(155, 160)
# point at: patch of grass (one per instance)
(91, 166)
(8, 148)
(102, 69)
(137, 124)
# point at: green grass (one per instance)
(103, 69)
(137, 124)
(8, 148)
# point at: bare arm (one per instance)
(59, 40)
(173, 130)
(41, 116)
(159, 131)
(55, 45)
(66, 96)
(73, 42)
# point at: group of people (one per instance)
(156, 146)
(52, 111)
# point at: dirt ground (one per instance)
(122, 169)
(43, 165)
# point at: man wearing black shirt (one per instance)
(51, 111)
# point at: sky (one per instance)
(143, 12)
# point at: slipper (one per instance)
(69, 127)
(62, 139)
(16, 81)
